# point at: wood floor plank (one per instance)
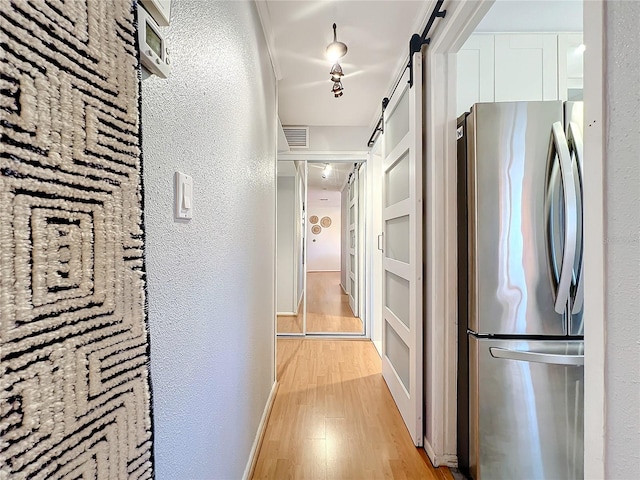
(333, 418)
(328, 308)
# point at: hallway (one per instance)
(328, 307)
(334, 418)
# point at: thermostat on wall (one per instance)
(154, 54)
(160, 10)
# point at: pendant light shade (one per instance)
(337, 89)
(336, 72)
(335, 50)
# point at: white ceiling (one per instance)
(533, 16)
(377, 33)
(334, 179)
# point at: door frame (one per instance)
(350, 156)
(441, 233)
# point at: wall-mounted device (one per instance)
(184, 196)
(160, 10)
(154, 54)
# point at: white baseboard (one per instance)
(262, 427)
(446, 460)
(286, 314)
(344, 289)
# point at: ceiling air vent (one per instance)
(297, 137)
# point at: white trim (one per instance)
(262, 428)
(441, 226)
(594, 234)
(287, 314)
(267, 29)
(447, 460)
(332, 156)
(274, 288)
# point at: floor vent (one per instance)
(297, 137)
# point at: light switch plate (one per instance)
(183, 201)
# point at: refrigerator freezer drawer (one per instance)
(526, 409)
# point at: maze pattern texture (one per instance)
(74, 380)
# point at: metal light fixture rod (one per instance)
(336, 50)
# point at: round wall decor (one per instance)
(313, 219)
(325, 222)
(316, 229)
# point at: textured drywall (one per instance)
(338, 139)
(286, 271)
(211, 280)
(622, 240)
(323, 249)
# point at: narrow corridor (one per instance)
(334, 418)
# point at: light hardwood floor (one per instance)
(327, 308)
(334, 418)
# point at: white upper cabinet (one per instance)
(475, 72)
(519, 67)
(570, 66)
(526, 67)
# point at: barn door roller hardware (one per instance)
(417, 41)
(415, 45)
(380, 124)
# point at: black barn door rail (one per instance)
(415, 45)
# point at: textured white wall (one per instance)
(338, 139)
(323, 250)
(623, 240)
(286, 254)
(211, 295)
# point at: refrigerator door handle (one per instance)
(381, 242)
(558, 146)
(535, 357)
(574, 138)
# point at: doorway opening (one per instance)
(334, 248)
(321, 247)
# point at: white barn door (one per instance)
(402, 358)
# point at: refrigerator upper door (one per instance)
(527, 409)
(574, 121)
(510, 292)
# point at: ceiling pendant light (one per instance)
(336, 72)
(335, 50)
(337, 89)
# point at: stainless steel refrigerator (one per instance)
(521, 291)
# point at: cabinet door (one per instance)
(475, 72)
(570, 66)
(526, 67)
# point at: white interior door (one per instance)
(352, 238)
(402, 258)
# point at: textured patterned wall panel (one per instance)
(74, 386)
